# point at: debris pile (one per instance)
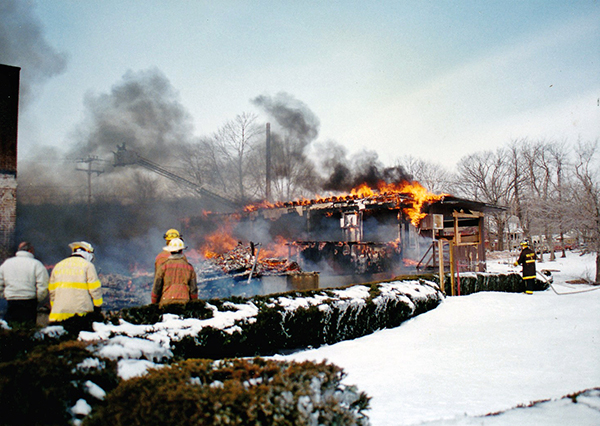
(122, 291)
(244, 260)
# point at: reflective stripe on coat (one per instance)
(74, 288)
(527, 260)
(174, 282)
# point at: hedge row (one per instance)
(281, 322)
(235, 392)
(474, 282)
(61, 384)
(44, 384)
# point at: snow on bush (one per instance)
(235, 392)
(262, 325)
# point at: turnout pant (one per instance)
(21, 311)
(529, 284)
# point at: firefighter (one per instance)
(175, 278)
(164, 254)
(527, 260)
(74, 285)
(24, 284)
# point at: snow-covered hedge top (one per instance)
(154, 342)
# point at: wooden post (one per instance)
(481, 266)
(441, 263)
(451, 250)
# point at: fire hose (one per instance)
(545, 279)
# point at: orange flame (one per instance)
(277, 248)
(411, 195)
(219, 241)
(420, 196)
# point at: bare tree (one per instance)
(485, 177)
(561, 205)
(144, 188)
(235, 141)
(204, 166)
(540, 174)
(294, 174)
(541, 197)
(518, 179)
(587, 195)
(432, 176)
(224, 161)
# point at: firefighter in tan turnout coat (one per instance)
(162, 257)
(175, 278)
(74, 285)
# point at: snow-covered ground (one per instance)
(485, 353)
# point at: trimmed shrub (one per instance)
(332, 319)
(150, 314)
(15, 343)
(235, 392)
(41, 388)
(474, 282)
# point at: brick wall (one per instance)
(8, 214)
(9, 118)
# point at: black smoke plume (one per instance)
(143, 111)
(130, 207)
(342, 173)
(293, 116)
(22, 44)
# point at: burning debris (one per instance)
(244, 259)
(371, 233)
(240, 271)
(362, 233)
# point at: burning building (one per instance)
(369, 234)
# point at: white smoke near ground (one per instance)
(23, 45)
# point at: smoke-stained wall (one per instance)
(9, 112)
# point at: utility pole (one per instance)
(268, 161)
(89, 170)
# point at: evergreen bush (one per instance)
(42, 386)
(150, 314)
(276, 329)
(235, 392)
(474, 282)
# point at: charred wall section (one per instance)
(9, 111)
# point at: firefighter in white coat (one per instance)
(24, 284)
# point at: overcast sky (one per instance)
(433, 79)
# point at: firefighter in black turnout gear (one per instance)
(527, 260)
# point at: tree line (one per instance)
(550, 189)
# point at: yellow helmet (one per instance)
(82, 245)
(171, 234)
(176, 244)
